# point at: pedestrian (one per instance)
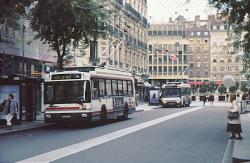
(234, 125)
(243, 102)
(227, 96)
(211, 100)
(10, 108)
(204, 99)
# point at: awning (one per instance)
(147, 84)
(218, 82)
(195, 82)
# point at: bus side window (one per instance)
(95, 89)
(87, 93)
(108, 87)
(130, 88)
(101, 87)
(114, 87)
(125, 87)
(120, 89)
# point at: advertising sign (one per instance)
(5, 90)
(154, 97)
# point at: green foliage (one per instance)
(11, 10)
(63, 23)
(204, 88)
(238, 12)
(233, 89)
(222, 90)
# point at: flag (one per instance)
(174, 57)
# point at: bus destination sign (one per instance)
(65, 76)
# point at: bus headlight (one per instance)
(84, 115)
(48, 116)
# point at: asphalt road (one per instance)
(195, 137)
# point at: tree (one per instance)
(11, 10)
(238, 13)
(63, 23)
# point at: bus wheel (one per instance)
(103, 115)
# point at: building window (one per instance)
(191, 65)
(150, 69)
(229, 68)
(206, 73)
(222, 68)
(165, 69)
(198, 33)
(155, 69)
(206, 34)
(160, 69)
(214, 68)
(150, 60)
(160, 60)
(206, 65)
(198, 64)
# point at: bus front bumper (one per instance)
(66, 117)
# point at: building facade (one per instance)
(22, 63)
(224, 59)
(167, 59)
(198, 53)
(207, 51)
(125, 47)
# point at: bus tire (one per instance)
(103, 114)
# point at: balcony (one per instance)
(133, 12)
(120, 2)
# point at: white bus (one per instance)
(88, 95)
(176, 93)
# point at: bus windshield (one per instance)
(171, 92)
(63, 92)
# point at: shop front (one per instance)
(26, 92)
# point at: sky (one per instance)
(161, 10)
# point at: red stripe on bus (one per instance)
(64, 108)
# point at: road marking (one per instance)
(78, 147)
(227, 158)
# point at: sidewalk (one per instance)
(241, 151)
(215, 103)
(145, 107)
(24, 126)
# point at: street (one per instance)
(194, 137)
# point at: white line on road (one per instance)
(75, 148)
(227, 158)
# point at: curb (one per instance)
(141, 110)
(13, 131)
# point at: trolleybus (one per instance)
(176, 93)
(92, 95)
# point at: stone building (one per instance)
(198, 53)
(167, 59)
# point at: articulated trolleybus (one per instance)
(95, 94)
(176, 93)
